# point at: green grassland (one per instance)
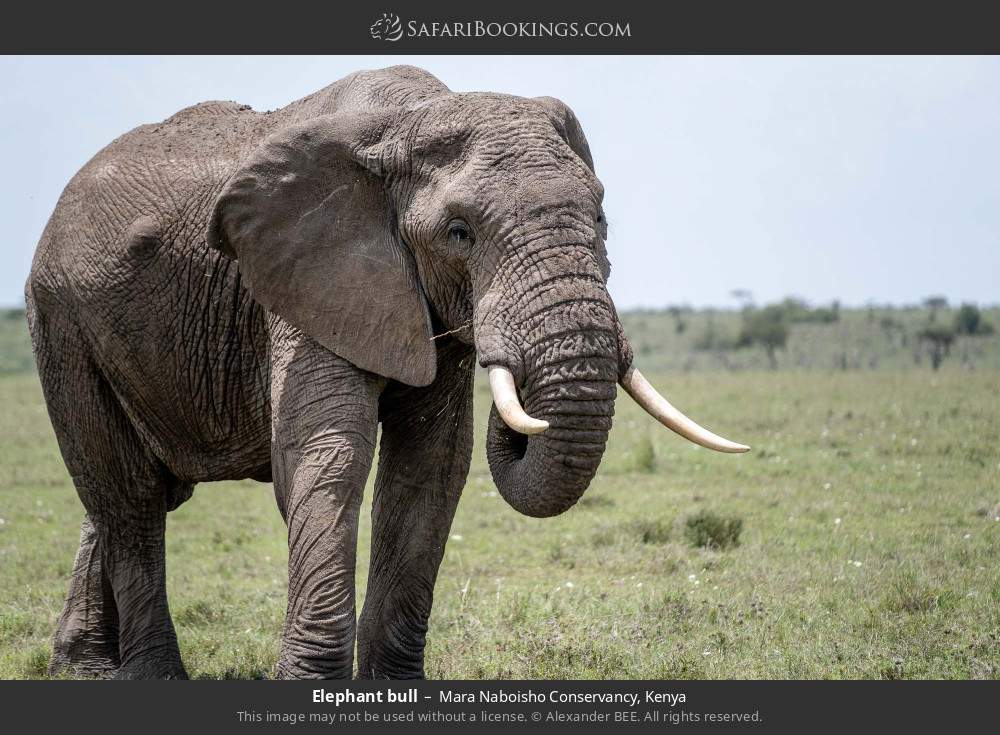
(869, 514)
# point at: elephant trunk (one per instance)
(545, 474)
(556, 352)
(553, 350)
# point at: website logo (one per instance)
(390, 28)
(387, 28)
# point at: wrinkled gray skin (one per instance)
(232, 294)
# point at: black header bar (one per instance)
(510, 27)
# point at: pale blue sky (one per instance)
(858, 178)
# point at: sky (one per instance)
(862, 179)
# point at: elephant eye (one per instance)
(459, 233)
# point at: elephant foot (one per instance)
(153, 665)
(396, 667)
(374, 672)
(84, 657)
(292, 672)
(90, 667)
(151, 671)
(316, 665)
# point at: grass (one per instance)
(868, 548)
(709, 530)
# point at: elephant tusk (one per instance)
(660, 409)
(508, 405)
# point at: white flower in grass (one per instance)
(569, 585)
(456, 537)
(836, 521)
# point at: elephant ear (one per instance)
(317, 243)
(568, 127)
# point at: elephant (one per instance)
(233, 294)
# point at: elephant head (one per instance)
(477, 215)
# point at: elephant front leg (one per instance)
(424, 460)
(325, 419)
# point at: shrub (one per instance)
(825, 314)
(710, 530)
(939, 338)
(713, 339)
(652, 531)
(596, 501)
(798, 311)
(767, 327)
(969, 320)
(889, 324)
(909, 594)
(645, 455)
(678, 312)
(935, 304)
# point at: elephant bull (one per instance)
(231, 294)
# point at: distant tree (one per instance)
(969, 320)
(890, 324)
(798, 311)
(890, 327)
(678, 312)
(939, 339)
(767, 327)
(935, 304)
(825, 314)
(713, 339)
(742, 295)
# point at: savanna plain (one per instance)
(859, 539)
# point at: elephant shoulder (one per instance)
(160, 165)
(149, 189)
